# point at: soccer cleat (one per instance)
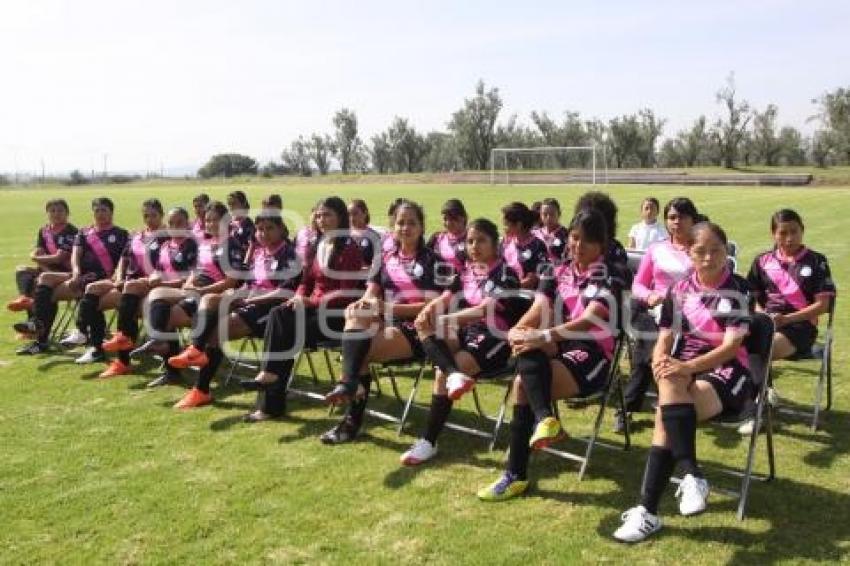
(90, 356)
(344, 392)
(458, 384)
(548, 431)
(19, 304)
(420, 452)
(116, 368)
(32, 349)
(506, 487)
(193, 399)
(746, 429)
(118, 343)
(73, 339)
(190, 357)
(27, 327)
(693, 492)
(638, 523)
(345, 431)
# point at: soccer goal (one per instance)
(541, 165)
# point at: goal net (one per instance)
(532, 165)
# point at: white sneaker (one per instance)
(692, 492)
(90, 356)
(420, 452)
(746, 429)
(73, 338)
(457, 384)
(638, 523)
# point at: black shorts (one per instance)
(256, 316)
(586, 362)
(409, 332)
(490, 353)
(733, 384)
(801, 335)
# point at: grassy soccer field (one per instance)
(106, 471)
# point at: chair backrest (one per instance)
(759, 341)
(635, 257)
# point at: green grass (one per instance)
(107, 472)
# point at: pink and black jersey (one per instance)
(787, 284)
(242, 231)
(408, 279)
(366, 240)
(497, 280)
(305, 238)
(525, 257)
(663, 264)
(555, 240)
(52, 240)
(215, 258)
(177, 258)
(387, 242)
(198, 228)
(142, 253)
(101, 250)
(702, 315)
(276, 268)
(449, 248)
(573, 291)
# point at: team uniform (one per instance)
(555, 240)
(782, 285)
(100, 251)
(366, 240)
(270, 270)
(142, 254)
(242, 230)
(705, 314)
(213, 263)
(198, 228)
(525, 257)
(449, 248)
(54, 241)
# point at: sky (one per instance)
(158, 83)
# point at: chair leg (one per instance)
(592, 440)
(751, 454)
(234, 364)
(309, 358)
(621, 399)
(827, 352)
(819, 393)
(500, 418)
(373, 369)
(410, 399)
(329, 363)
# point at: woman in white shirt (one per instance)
(648, 230)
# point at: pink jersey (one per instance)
(663, 264)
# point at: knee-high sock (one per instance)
(205, 324)
(90, 319)
(656, 476)
(207, 372)
(441, 406)
(355, 348)
(160, 313)
(25, 280)
(44, 311)
(536, 375)
(357, 408)
(439, 353)
(522, 427)
(680, 424)
(128, 320)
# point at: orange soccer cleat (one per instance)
(116, 368)
(190, 357)
(193, 399)
(21, 303)
(118, 343)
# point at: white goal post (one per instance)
(500, 161)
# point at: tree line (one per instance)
(737, 135)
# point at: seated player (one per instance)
(553, 234)
(52, 253)
(96, 252)
(363, 234)
(706, 374)
(272, 204)
(649, 230)
(379, 327)
(483, 304)
(199, 206)
(387, 239)
(616, 257)
(218, 267)
(560, 356)
(241, 226)
(330, 281)
(163, 259)
(450, 244)
(306, 237)
(274, 274)
(521, 250)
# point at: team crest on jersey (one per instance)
(364, 243)
(557, 242)
(806, 271)
(489, 287)
(724, 306)
(591, 291)
(461, 247)
(273, 265)
(111, 238)
(154, 245)
(417, 270)
(526, 254)
(178, 256)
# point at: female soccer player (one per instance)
(524, 252)
(163, 259)
(664, 264)
(649, 230)
(553, 234)
(306, 236)
(379, 327)
(329, 282)
(241, 226)
(705, 375)
(450, 244)
(199, 205)
(96, 252)
(616, 257)
(482, 301)
(566, 357)
(274, 274)
(363, 235)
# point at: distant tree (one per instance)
(834, 115)
(408, 146)
(570, 132)
(730, 128)
(320, 148)
(297, 157)
(765, 138)
(650, 129)
(273, 169)
(4, 181)
(381, 153)
(474, 126)
(228, 165)
(347, 145)
(821, 148)
(689, 148)
(515, 134)
(792, 146)
(625, 139)
(442, 152)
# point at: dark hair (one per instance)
(711, 227)
(454, 207)
(553, 202)
(685, 206)
(241, 198)
(103, 201)
(518, 212)
(154, 204)
(218, 207)
(785, 215)
(60, 202)
(651, 200)
(393, 205)
(201, 197)
(337, 205)
(593, 227)
(361, 204)
(488, 227)
(276, 219)
(179, 210)
(419, 212)
(273, 201)
(601, 202)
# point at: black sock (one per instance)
(160, 313)
(206, 374)
(536, 375)
(25, 280)
(205, 324)
(173, 350)
(656, 476)
(92, 320)
(357, 408)
(44, 311)
(124, 357)
(680, 424)
(441, 406)
(128, 320)
(522, 427)
(439, 353)
(355, 348)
